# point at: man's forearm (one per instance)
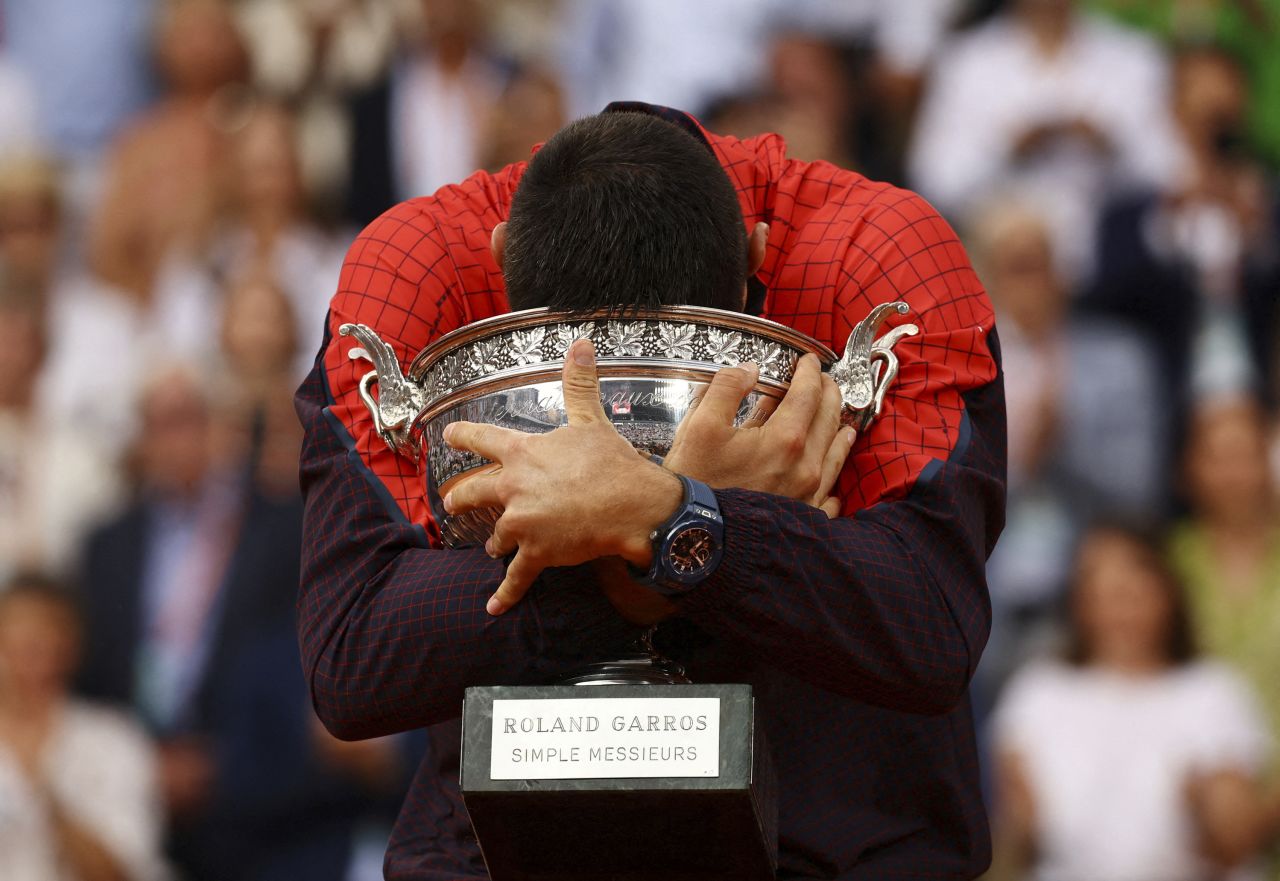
(852, 605)
(403, 654)
(889, 606)
(393, 631)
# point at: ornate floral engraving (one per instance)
(626, 338)
(526, 346)
(722, 345)
(769, 357)
(676, 340)
(565, 334)
(483, 357)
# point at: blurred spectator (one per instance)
(195, 569)
(166, 172)
(265, 230)
(89, 379)
(530, 110)
(312, 54)
(54, 481)
(1052, 102)
(1228, 551)
(886, 48)
(89, 64)
(1250, 29)
(1197, 263)
(292, 800)
(809, 78)
(77, 782)
(1130, 759)
(808, 97)
(258, 350)
(420, 128)
(681, 55)
(1085, 422)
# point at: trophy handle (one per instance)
(869, 365)
(399, 402)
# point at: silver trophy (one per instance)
(562, 817)
(506, 371)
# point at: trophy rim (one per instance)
(723, 318)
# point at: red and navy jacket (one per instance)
(858, 634)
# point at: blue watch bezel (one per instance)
(699, 508)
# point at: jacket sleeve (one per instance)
(888, 603)
(392, 626)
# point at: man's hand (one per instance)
(797, 451)
(570, 496)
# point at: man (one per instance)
(176, 587)
(858, 634)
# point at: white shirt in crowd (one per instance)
(96, 363)
(1108, 758)
(101, 768)
(994, 84)
(186, 317)
(56, 484)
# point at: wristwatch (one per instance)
(688, 547)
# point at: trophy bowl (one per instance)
(652, 364)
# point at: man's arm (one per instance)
(889, 603)
(393, 629)
(392, 626)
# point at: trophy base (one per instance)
(647, 782)
(641, 668)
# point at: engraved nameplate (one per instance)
(567, 739)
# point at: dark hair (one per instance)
(624, 210)
(1149, 542)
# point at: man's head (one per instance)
(625, 210)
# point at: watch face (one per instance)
(691, 550)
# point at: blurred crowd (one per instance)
(179, 180)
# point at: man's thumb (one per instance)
(581, 384)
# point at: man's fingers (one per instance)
(723, 395)
(498, 545)
(476, 491)
(800, 403)
(582, 384)
(831, 507)
(489, 441)
(695, 399)
(521, 573)
(833, 462)
(825, 427)
(761, 410)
